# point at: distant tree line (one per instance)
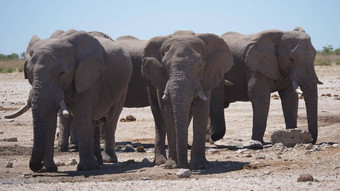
(12, 56)
(329, 50)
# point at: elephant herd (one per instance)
(90, 77)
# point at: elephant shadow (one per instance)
(218, 167)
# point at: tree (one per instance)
(2, 57)
(12, 56)
(337, 51)
(22, 55)
(327, 49)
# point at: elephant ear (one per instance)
(262, 57)
(218, 58)
(29, 53)
(152, 69)
(89, 55)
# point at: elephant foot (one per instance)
(159, 159)
(170, 164)
(196, 164)
(258, 139)
(99, 158)
(35, 167)
(110, 158)
(216, 136)
(86, 166)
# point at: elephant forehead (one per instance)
(183, 43)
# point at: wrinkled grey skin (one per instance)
(266, 62)
(180, 71)
(137, 95)
(87, 72)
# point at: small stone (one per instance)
(146, 160)
(260, 157)
(130, 118)
(60, 164)
(9, 164)
(169, 173)
(72, 162)
(26, 174)
(248, 155)
(227, 157)
(267, 172)
(145, 178)
(12, 139)
(123, 120)
(305, 178)
(140, 149)
(242, 151)
(10, 120)
(213, 151)
(183, 173)
(335, 145)
(1, 132)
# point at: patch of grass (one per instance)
(9, 66)
(327, 60)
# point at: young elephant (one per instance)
(85, 74)
(181, 70)
(266, 62)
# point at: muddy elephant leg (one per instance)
(49, 164)
(200, 121)
(289, 102)
(96, 142)
(259, 95)
(64, 132)
(160, 154)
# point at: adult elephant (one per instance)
(181, 70)
(266, 62)
(84, 74)
(136, 96)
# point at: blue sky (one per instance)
(20, 20)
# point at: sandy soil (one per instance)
(273, 168)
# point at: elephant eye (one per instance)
(291, 60)
(61, 73)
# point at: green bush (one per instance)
(322, 62)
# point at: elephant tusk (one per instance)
(64, 108)
(297, 88)
(165, 97)
(19, 112)
(228, 83)
(202, 96)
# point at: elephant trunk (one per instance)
(44, 112)
(182, 94)
(310, 93)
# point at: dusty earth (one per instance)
(272, 168)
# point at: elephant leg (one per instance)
(259, 95)
(110, 126)
(217, 120)
(200, 122)
(289, 102)
(82, 121)
(160, 154)
(73, 138)
(64, 132)
(49, 164)
(96, 142)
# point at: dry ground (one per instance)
(279, 170)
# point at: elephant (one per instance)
(267, 62)
(136, 96)
(180, 71)
(87, 76)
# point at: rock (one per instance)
(12, 139)
(130, 118)
(291, 137)
(260, 157)
(72, 162)
(60, 164)
(183, 173)
(335, 145)
(213, 151)
(128, 149)
(234, 144)
(305, 178)
(9, 164)
(140, 149)
(123, 120)
(146, 160)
